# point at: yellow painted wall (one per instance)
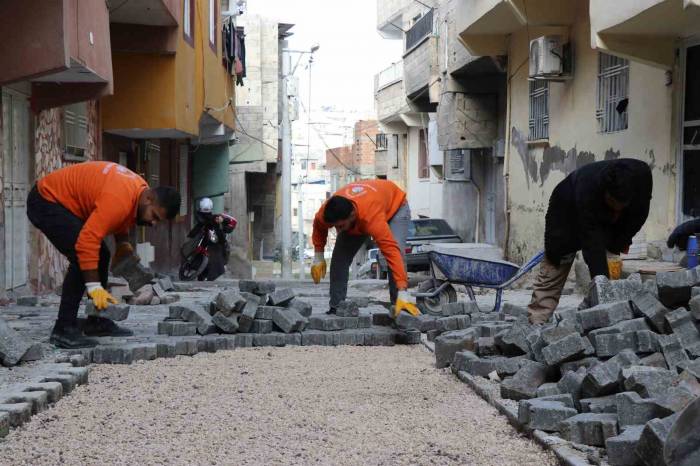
(155, 91)
(574, 137)
(143, 98)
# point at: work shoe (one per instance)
(94, 326)
(331, 311)
(70, 338)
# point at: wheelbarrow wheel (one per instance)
(433, 306)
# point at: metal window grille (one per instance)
(382, 142)
(420, 29)
(75, 129)
(613, 93)
(539, 110)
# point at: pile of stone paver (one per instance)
(612, 375)
(137, 285)
(257, 314)
(273, 317)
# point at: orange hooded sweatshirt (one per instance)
(375, 201)
(103, 194)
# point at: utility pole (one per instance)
(300, 219)
(286, 170)
(287, 73)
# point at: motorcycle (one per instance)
(206, 252)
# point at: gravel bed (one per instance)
(295, 405)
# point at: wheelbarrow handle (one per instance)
(527, 267)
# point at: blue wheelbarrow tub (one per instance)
(469, 271)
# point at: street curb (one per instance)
(561, 448)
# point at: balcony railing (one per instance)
(389, 75)
(420, 30)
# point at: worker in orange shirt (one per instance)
(76, 208)
(376, 208)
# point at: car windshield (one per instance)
(429, 227)
(373, 253)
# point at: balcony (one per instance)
(390, 15)
(145, 12)
(484, 25)
(63, 50)
(645, 30)
(421, 72)
(419, 31)
(389, 95)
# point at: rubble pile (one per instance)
(614, 375)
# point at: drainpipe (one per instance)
(506, 161)
(478, 211)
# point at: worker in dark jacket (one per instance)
(596, 209)
(679, 236)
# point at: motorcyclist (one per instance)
(222, 224)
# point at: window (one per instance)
(423, 167)
(212, 24)
(313, 165)
(183, 169)
(75, 131)
(188, 21)
(539, 110)
(382, 143)
(458, 164)
(613, 93)
(303, 164)
(295, 213)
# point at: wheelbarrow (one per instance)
(447, 270)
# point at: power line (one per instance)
(328, 148)
(240, 125)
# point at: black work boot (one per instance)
(331, 311)
(94, 326)
(70, 337)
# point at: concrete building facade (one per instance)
(623, 66)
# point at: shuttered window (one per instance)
(75, 130)
(423, 167)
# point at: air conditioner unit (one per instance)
(549, 57)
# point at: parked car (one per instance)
(370, 268)
(422, 231)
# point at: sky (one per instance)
(351, 50)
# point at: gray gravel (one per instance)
(346, 405)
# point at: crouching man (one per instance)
(376, 208)
(76, 208)
(596, 209)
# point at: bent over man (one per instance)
(376, 208)
(76, 208)
(596, 209)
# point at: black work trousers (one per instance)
(62, 228)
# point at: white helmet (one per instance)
(205, 205)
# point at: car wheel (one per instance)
(433, 306)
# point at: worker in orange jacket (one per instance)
(76, 208)
(376, 208)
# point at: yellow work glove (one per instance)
(318, 268)
(100, 297)
(405, 302)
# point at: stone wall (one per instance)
(47, 265)
(420, 66)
